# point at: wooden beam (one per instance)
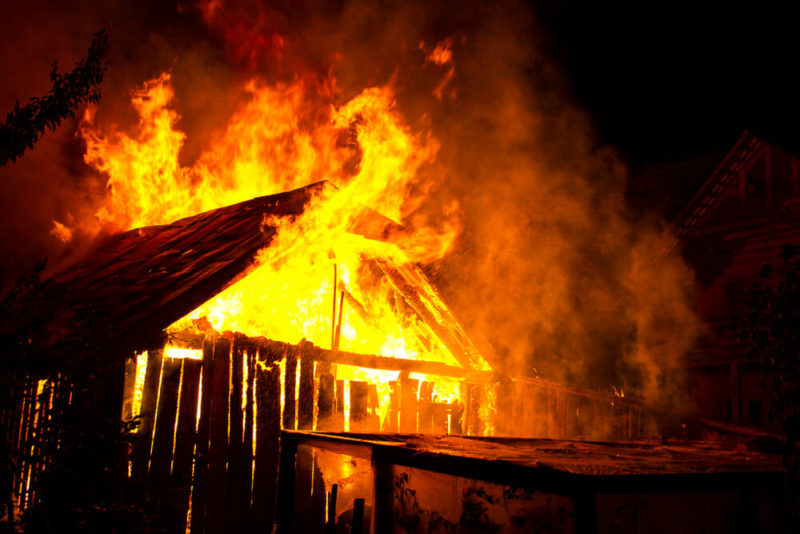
(421, 296)
(386, 363)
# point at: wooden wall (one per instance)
(207, 447)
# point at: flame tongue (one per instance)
(274, 143)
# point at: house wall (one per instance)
(745, 230)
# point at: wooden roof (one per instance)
(139, 282)
(747, 149)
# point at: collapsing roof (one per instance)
(145, 279)
(139, 282)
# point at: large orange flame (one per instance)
(279, 140)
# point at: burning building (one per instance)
(212, 402)
(215, 404)
(296, 340)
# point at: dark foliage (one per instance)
(771, 324)
(25, 125)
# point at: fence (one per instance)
(207, 446)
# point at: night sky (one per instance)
(665, 81)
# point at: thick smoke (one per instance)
(551, 272)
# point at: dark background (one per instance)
(670, 86)
(665, 81)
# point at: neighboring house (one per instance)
(736, 223)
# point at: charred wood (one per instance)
(184, 442)
(268, 428)
(200, 482)
(218, 442)
(161, 457)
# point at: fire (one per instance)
(61, 232)
(282, 138)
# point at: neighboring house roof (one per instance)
(746, 150)
(748, 196)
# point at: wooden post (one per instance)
(200, 483)
(552, 416)
(305, 415)
(290, 384)
(408, 404)
(41, 436)
(473, 410)
(439, 417)
(325, 402)
(330, 524)
(538, 426)
(457, 419)
(286, 485)
(251, 352)
(358, 517)
(339, 425)
(426, 407)
(184, 442)
(129, 389)
(505, 422)
(218, 444)
(17, 409)
(26, 428)
(303, 501)
(339, 323)
(238, 493)
(161, 457)
(25, 443)
(152, 380)
(373, 410)
(359, 395)
(316, 517)
(268, 429)
(333, 316)
(394, 407)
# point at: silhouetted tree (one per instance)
(25, 125)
